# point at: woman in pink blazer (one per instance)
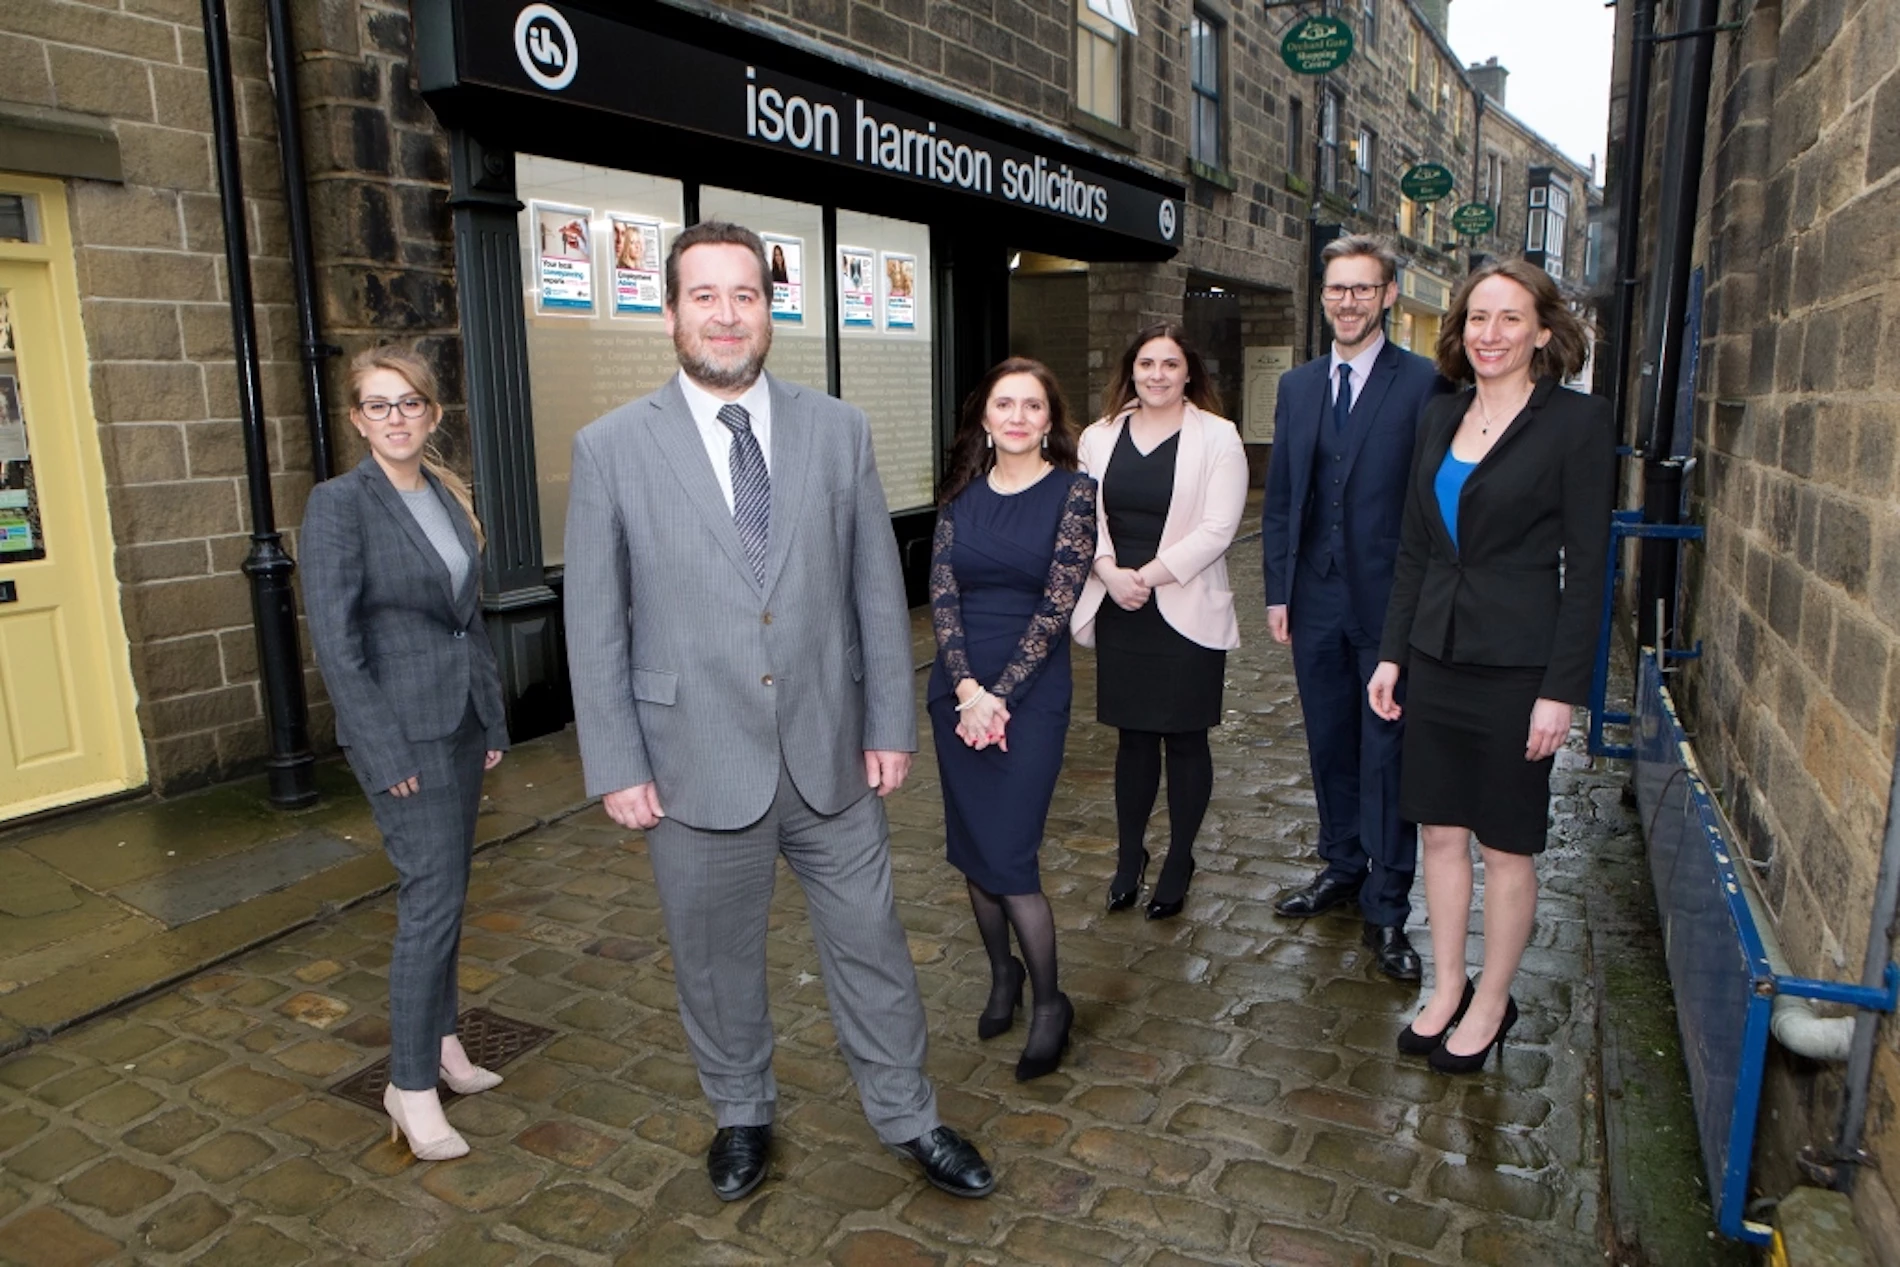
(1173, 479)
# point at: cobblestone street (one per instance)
(1232, 1094)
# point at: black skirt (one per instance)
(1150, 677)
(1466, 727)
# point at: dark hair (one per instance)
(714, 233)
(1560, 357)
(1357, 244)
(970, 457)
(1121, 385)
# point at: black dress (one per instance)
(1148, 676)
(1005, 572)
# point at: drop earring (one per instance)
(989, 441)
(1045, 442)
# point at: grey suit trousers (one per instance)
(716, 891)
(429, 836)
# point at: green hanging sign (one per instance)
(1427, 182)
(1474, 219)
(1316, 46)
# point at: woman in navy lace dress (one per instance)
(1015, 537)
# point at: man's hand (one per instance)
(1550, 722)
(493, 758)
(886, 771)
(408, 787)
(636, 808)
(1276, 623)
(1382, 691)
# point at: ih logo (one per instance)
(544, 43)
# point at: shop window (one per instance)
(1204, 57)
(884, 349)
(1099, 45)
(794, 234)
(1329, 142)
(593, 243)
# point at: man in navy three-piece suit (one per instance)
(1343, 432)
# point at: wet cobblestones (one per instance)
(1232, 1094)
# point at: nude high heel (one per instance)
(449, 1146)
(477, 1082)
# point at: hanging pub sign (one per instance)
(1427, 182)
(1316, 46)
(1474, 219)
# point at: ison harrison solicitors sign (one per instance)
(572, 55)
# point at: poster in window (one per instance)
(857, 288)
(636, 265)
(564, 251)
(900, 291)
(1262, 369)
(18, 519)
(787, 258)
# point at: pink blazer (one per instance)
(1210, 492)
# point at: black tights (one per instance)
(1138, 780)
(1035, 925)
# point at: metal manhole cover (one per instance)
(491, 1041)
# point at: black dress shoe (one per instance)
(1393, 949)
(736, 1160)
(1030, 1067)
(991, 1023)
(1121, 900)
(1413, 1043)
(950, 1162)
(1158, 909)
(1323, 894)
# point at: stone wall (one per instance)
(1796, 594)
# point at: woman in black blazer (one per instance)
(1496, 602)
(392, 591)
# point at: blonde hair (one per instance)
(407, 362)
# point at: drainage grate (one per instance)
(490, 1040)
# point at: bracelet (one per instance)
(972, 701)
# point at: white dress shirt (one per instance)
(1361, 368)
(717, 437)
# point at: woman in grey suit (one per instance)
(391, 554)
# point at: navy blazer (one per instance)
(1524, 585)
(401, 653)
(1379, 459)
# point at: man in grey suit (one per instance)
(740, 649)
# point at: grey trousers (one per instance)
(716, 892)
(429, 836)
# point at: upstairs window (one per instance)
(1099, 52)
(1204, 58)
(1329, 142)
(1364, 157)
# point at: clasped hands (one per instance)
(982, 718)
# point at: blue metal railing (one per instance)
(1625, 525)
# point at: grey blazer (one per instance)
(687, 672)
(401, 654)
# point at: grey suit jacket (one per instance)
(401, 653)
(687, 672)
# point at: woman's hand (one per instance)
(1126, 587)
(984, 722)
(1550, 723)
(492, 760)
(1382, 691)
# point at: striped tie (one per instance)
(751, 487)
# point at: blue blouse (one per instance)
(1449, 484)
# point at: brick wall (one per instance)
(1797, 592)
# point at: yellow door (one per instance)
(68, 727)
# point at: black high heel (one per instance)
(1413, 1043)
(989, 1024)
(1157, 909)
(1446, 1062)
(1028, 1068)
(1122, 901)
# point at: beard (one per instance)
(729, 375)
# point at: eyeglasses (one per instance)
(1361, 291)
(377, 409)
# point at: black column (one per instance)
(522, 611)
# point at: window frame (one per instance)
(1369, 22)
(1205, 35)
(1332, 105)
(1295, 136)
(1366, 161)
(1090, 25)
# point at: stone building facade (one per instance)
(1274, 159)
(1795, 594)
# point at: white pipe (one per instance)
(1796, 1027)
